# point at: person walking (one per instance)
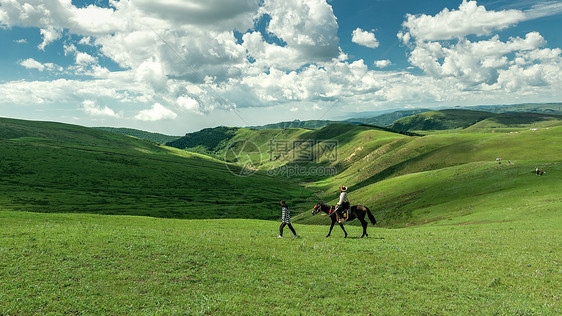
(286, 220)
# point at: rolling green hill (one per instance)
(277, 147)
(388, 118)
(475, 236)
(295, 124)
(441, 120)
(52, 167)
(155, 137)
(540, 108)
(114, 174)
(513, 122)
(385, 119)
(208, 141)
(416, 180)
(460, 119)
(369, 159)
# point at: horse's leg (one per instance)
(364, 224)
(331, 226)
(341, 225)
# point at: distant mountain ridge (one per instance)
(296, 124)
(464, 119)
(154, 137)
(541, 108)
(208, 141)
(382, 120)
(387, 119)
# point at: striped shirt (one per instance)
(285, 215)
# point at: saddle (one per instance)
(345, 214)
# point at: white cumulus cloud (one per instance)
(473, 62)
(309, 29)
(187, 103)
(87, 40)
(31, 63)
(50, 35)
(156, 113)
(178, 57)
(364, 38)
(84, 59)
(470, 18)
(382, 63)
(92, 109)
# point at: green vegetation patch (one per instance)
(65, 168)
(91, 264)
(154, 137)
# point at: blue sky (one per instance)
(175, 66)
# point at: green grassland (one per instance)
(62, 168)
(386, 157)
(418, 180)
(479, 192)
(154, 137)
(51, 167)
(544, 108)
(296, 124)
(270, 153)
(462, 119)
(92, 264)
(388, 118)
(457, 232)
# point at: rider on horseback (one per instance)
(343, 204)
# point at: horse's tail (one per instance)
(371, 217)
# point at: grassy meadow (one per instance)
(93, 264)
(51, 167)
(98, 223)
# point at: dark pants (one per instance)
(283, 226)
(344, 206)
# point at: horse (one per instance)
(356, 211)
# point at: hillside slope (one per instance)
(441, 120)
(52, 167)
(367, 158)
(278, 147)
(154, 137)
(295, 124)
(388, 118)
(418, 180)
(461, 119)
(540, 108)
(65, 168)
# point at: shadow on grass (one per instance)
(359, 237)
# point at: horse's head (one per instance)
(317, 208)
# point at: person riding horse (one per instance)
(343, 203)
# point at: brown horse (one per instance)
(356, 211)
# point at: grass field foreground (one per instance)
(95, 264)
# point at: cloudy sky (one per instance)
(175, 66)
